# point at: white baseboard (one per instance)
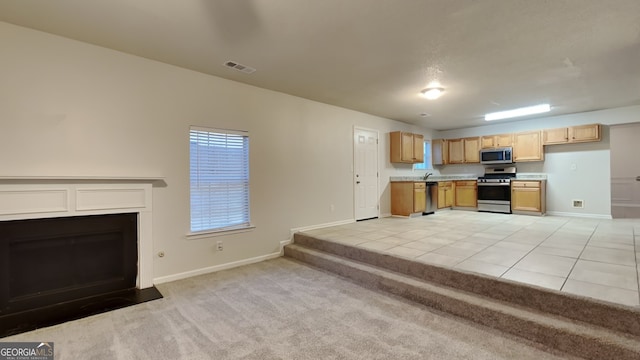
(320, 226)
(385, 215)
(212, 269)
(284, 243)
(580, 215)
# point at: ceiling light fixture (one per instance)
(432, 93)
(523, 111)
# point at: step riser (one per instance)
(610, 316)
(586, 347)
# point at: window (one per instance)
(219, 173)
(426, 165)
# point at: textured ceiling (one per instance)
(375, 56)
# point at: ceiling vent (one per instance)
(242, 68)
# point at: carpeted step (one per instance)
(616, 317)
(571, 336)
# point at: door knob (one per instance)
(637, 178)
(357, 182)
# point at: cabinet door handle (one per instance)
(637, 178)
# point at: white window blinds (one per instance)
(219, 175)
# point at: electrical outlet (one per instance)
(219, 246)
(578, 204)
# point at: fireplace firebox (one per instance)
(49, 261)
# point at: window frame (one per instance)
(211, 135)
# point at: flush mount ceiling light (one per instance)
(432, 93)
(523, 111)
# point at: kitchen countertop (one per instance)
(435, 178)
(531, 176)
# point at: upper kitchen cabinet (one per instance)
(555, 136)
(456, 151)
(472, 149)
(418, 148)
(573, 134)
(496, 141)
(439, 152)
(585, 133)
(464, 151)
(527, 146)
(406, 147)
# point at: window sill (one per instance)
(213, 233)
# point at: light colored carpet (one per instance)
(278, 309)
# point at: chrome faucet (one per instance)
(426, 176)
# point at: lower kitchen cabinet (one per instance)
(408, 197)
(466, 194)
(445, 194)
(528, 197)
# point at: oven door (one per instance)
(500, 192)
(494, 197)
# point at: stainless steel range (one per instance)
(494, 189)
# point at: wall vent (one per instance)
(242, 68)
(578, 204)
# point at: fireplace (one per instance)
(72, 247)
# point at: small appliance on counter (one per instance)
(494, 189)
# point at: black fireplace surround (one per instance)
(57, 269)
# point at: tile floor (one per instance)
(589, 257)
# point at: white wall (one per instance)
(591, 179)
(69, 108)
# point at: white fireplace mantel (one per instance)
(82, 178)
(34, 197)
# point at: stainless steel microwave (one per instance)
(496, 156)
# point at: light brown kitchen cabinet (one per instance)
(418, 148)
(527, 146)
(572, 134)
(408, 197)
(419, 197)
(471, 150)
(466, 194)
(555, 136)
(488, 142)
(585, 133)
(445, 194)
(439, 152)
(464, 151)
(496, 141)
(406, 147)
(528, 197)
(456, 151)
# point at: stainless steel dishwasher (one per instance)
(430, 207)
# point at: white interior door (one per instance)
(365, 173)
(625, 170)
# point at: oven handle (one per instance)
(494, 184)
